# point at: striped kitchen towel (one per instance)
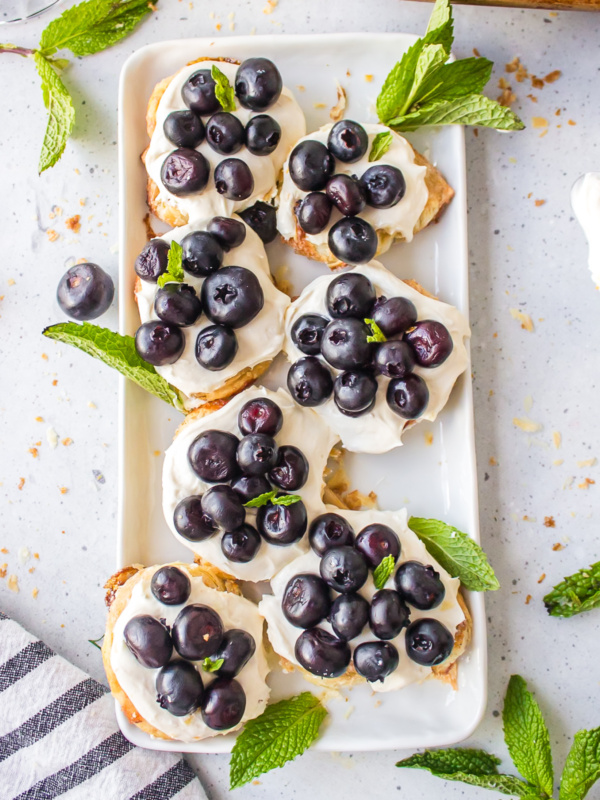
(59, 736)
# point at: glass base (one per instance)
(22, 10)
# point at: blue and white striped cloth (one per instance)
(59, 736)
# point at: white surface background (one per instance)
(522, 256)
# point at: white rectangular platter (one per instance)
(431, 478)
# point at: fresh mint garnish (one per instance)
(282, 732)
(575, 594)
(95, 642)
(381, 144)
(383, 571)
(377, 335)
(61, 114)
(582, 768)
(174, 273)
(210, 665)
(457, 553)
(224, 91)
(116, 351)
(271, 497)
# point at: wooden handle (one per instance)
(552, 5)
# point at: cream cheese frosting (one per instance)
(283, 635)
(301, 428)
(381, 429)
(399, 220)
(585, 199)
(260, 340)
(138, 682)
(265, 169)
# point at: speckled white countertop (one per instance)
(526, 252)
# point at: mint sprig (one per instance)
(383, 570)
(282, 732)
(224, 91)
(116, 351)
(381, 144)
(422, 89)
(377, 335)
(271, 497)
(61, 114)
(458, 554)
(174, 273)
(582, 768)
(210, 665)
(575, 594)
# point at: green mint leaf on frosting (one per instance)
(210, 665)
(174, 273)
(577, 593)
(61, 114)
(381, 144)
(271, 497)
(383, 571)
(457, 553)
(116, 351)
(224, 91)
(582, 768)
(377, 335)
(93, 26)
(282, 732)
(527, 737)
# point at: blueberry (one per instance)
(225, 133)
(170, 586)
(233, 179)
(197, 632)
(262, 135)
(389, 614)
(228, 232)
(179, 688)
(216, 347)
(310, 165)
(260, 415)
(177, 304)
(428, 642)
(375, 660)
(258, 83)
(348, 141)
(394, 358)
(237, 648)
(344, 569)
(202, 253)
(408, 396)
(322, 654)
(212, 456)
(420, 585)
(350, 295)
(250, 487)
(223, 704)
(307, 332)
(262, 218)
(85, 291)
(257, 453)
(282, 525)
(198, 93)
(349, 615)
(159, 343)
(344, 344)
(352, 240)
(377, 541)
(309, 382)
(223, 508)
(184, 129)
(232, 296)
(346, 193)
(383, 185)
(153, 260)
(190, 521)
(148, 640)
(431, 342)
(306, 600)
(241, 545)
(329, 530)
(314, 212)
(354, 392)
(395, 315)
(184, 172)
(290, 473)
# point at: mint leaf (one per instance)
(271, 497)
(61, 114)
(457, 79)
(208, 665)
(224, 91)
(381, 144)
(474, 109)
(93, 26)
(383, 571)
(116, 351)
(526, 736)
(282, 732)
(174, 273)
(577, 593)
(457, 553)
(582, 768)
(377, 335)
(440, 28)
(286, 500)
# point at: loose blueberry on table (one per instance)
(344, 341)
(85, 291)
